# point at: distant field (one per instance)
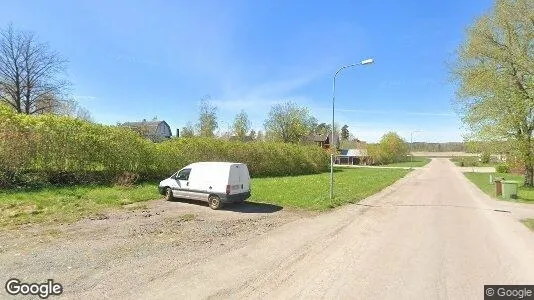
(443, 154)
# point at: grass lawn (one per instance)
(472, 161)
(417, 162)
(529, 223)
(312, 191)
(67, 204)
(481, 180)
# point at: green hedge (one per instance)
(262, 158)
(36, 150)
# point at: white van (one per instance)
(214, 182)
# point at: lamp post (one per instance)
(411, 145)
(363, 62)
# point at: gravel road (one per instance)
(432, 235)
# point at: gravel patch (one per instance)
(134, 246)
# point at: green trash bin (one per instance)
(509, 189)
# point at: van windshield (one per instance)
(183, 174)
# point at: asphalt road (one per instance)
(432, 235)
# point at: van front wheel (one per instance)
(214, 202)
(168, 194)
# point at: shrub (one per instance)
(391, 148)
(262, 158)
(48, 149)
(127, 179)
(502, 169)
(468, 161)
(485, 157)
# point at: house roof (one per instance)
(150, 126)
(353, 152)
(321, 137)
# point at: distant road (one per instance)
(444, 154)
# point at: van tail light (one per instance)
(227, 189)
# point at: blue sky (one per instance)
(130, 60)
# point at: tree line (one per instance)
(286, 122)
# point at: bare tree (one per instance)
(188, 130)
(84, 114)
(30, 73)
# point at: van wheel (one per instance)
(214, 202)
(168, 194)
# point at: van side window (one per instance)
(183, 174)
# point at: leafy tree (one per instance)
(31, 78)
(288, 122)
(207, 120)
(322, 129)
(495, 71)
(391, 148)
(345, 132)
(241, 125)
(188, 130)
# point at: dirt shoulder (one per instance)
(148, 240)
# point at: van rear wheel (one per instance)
(214, 202)
(168, 194)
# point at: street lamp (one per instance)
(411, 145)
(363, 62)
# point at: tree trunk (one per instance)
(529, 176)
(528, 158)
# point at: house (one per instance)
(323, 140)
(156, 131)
(352, 157)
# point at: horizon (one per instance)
(130, 62)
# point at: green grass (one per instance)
(525, 195)
(417, 162)
(312, 191)
(67, 204)
(472, 161)
(529, 223)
